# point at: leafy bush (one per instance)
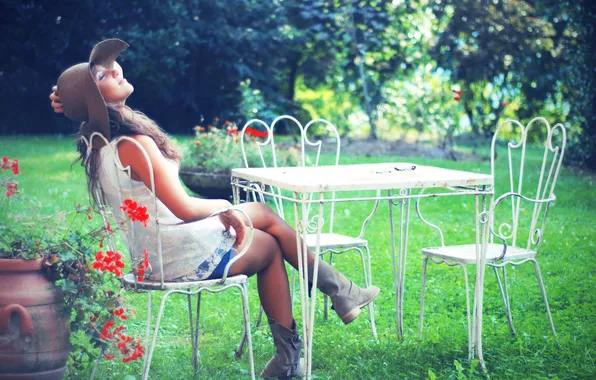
(217, 148)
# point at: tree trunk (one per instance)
(367, 105)
(294, 64)
(469, 111)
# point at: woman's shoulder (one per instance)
(133, 141)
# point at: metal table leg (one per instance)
(399, 263)
(482, 224)
(307, 304)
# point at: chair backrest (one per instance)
(312, 137)
(109, 201)
(524, 178)
(120, 179)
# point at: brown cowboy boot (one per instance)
(347, 298)
(286, 362)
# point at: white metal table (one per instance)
(318, 185)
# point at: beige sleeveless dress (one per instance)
(190, 251)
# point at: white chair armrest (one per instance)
(249, 236)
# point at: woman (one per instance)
(95, 94)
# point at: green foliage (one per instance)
(211, 58)
(355, 48)
(423, 101)
(498, 51)
(253, 104)
(217, 148)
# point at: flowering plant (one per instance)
(71, 246)
(216, 148)
(10, 184)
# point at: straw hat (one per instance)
(81, 99)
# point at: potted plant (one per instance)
(216, 150)
(56, 278)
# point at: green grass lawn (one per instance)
(350, 352)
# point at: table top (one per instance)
(380, 176)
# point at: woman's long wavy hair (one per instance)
(123, 122)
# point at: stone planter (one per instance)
(208, 184)
(34, 329)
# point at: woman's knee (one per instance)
(265, 246)
(264, 208)
(263, 251)
(260, 214)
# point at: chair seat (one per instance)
(466, 254)
(128, 280)
(331, 241)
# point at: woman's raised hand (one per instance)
(56, 105)
(231, 219)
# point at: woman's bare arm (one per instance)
(168, 188)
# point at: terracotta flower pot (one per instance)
(34, 329)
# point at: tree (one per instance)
(580, 89)
(498, 51)
(354, 48)
(187, 58)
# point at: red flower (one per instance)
(135, 212)
(110, 262)
(256, 133)
(11, 189)
(457, 96)
(108, 357)
(120, 313)
(146, 258)
(15, 167)
(5, 163)
(140, 269)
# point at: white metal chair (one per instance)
(516, 230)
(309, 154)
(189, 288)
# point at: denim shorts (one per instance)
(219, 270)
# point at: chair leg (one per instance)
(368, 282)
(470, 348)
(539, 276)
(194, 330)
(422, 293)
(148, 326)
(325, 298)
(240, 350)
(292, 297)
(147, 365)
(246, 315)
(505, 296)
(260, 317)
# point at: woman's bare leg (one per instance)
(347, 297)
(265, 219)
(265, 259)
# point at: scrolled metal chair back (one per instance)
(309, 152)
(520, 209)
(125, 188)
